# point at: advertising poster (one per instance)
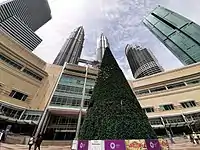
(115, 145)
(164, 144)
(153, 144)
(135, 145)
(96, 145)
(82, 145)
(74, 145)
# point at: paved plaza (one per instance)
(180, 145)
(184, 146)
(25, 147)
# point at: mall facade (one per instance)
(171, 99)
(36, 97)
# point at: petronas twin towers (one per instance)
(141, 61)
(72, 48)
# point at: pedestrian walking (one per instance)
(192, 139)
(170, 137)
(195, 138)
(1, 135)
(184, 135)
(38, 142)
(31, 142)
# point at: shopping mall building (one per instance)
(40, 97)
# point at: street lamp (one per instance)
(82, 103)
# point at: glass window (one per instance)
(11, 62)
(196, 116)
(157, 89)
(161, 12)
(176, 85)
(32, 74)
(148, 109)
(23, 117)
(188, 104)
(142, 92)
(37, 118)
(182, 40)
(174, 119)
(159, 34)
(176, 20)
(193, 81)
(153, 20)
(29, 117)
(164, 28)
(178, 52)
(155, 121)
(166, 107)
(18, 95)
(192, 30)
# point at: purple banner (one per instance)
(115, 145)
(82, 145)
(153, 145)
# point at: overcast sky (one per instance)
(119, 20)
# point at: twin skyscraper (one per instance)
(72, 48)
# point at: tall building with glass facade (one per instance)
(142, 62)
(179, 34)
(72, 48)
(20, 18)
(75, 85)
(102, 43)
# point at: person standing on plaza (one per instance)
(192, 139)
(170, 137)
(196, 140)
(38, 142)
(31, 142)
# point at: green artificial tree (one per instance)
(114, 111)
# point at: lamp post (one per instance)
(82, 103)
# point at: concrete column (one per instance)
(189, 126)
(22, 114)
(47, 123)
(164, 124)
(44, 124)
(171, 130)
(82, 103)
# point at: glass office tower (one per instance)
(179, 34)
(21, 18)
(142, 61)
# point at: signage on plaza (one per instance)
(115, 145)
(96, 145)
(149, 144)
(82, 145)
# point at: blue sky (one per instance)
(119, 20)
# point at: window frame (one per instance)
(14, 92)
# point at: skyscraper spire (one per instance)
(72, 48)
(102, 43)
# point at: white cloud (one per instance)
(119, 20)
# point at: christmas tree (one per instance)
(114, 111)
